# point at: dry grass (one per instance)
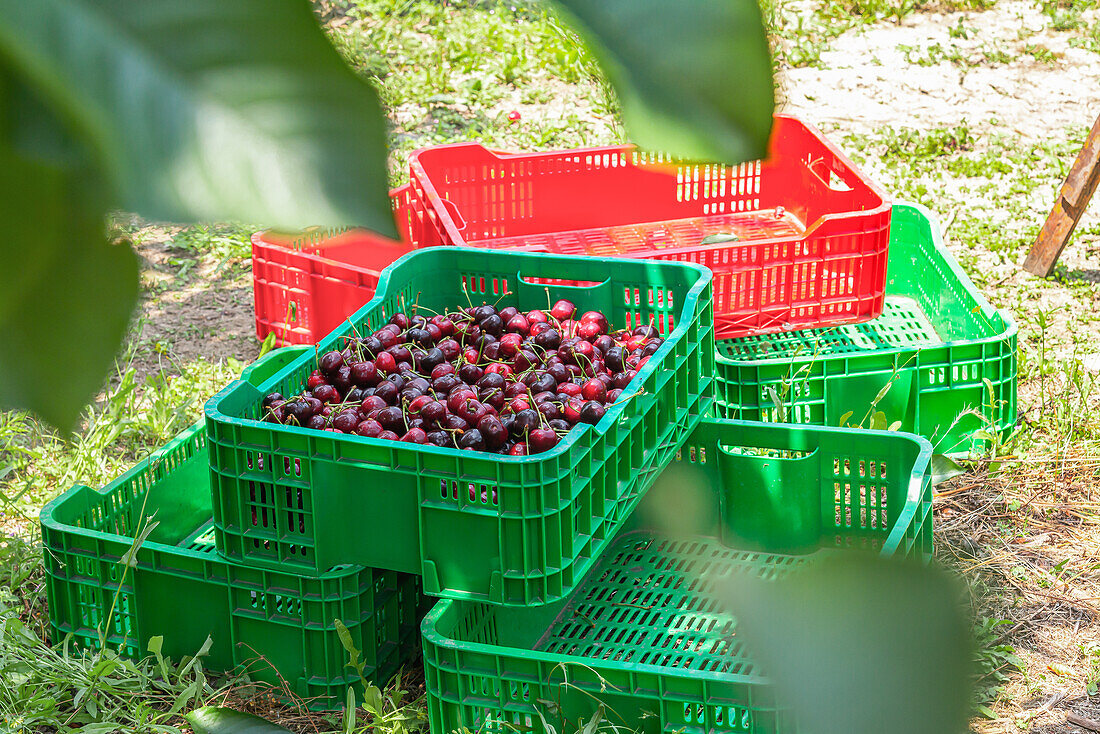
(1028, 540)
(281, 706)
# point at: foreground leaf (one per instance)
(219, 720)
(694, 78)
(208, 109)
(861, 645)
(74, 292)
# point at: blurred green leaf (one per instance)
(66, 295)
(207, 109)
(858, 644)
(694, 78)
(220, 720)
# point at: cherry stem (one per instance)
(624, 400)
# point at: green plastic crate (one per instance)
(944, 346)
(275, 626)
(511, 530)
(645, 634)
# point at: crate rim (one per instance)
(46, 514)
(988, 311)
(257, 238)
(689, 302)
(430, 633)
(48, 520)
(435, 201)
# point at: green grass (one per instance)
(994, 189)
(984, 55)
(1066, 15)
(450, 72)
(898, 10)
(446, 72)
(1042, 54)
(994, 661)
(1089, 39)
(220, 242)
(798, 39)
(133, 418)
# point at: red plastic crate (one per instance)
(306, 283)
(811, 231)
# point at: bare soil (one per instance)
(191, 306)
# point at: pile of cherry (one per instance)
(480, 378)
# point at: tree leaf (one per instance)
(890, 635)
(944, 468)
(694, 78)
(208, 109)
(878, 421)
(73, 292)
(129, 558)
(220, 720)
(714, 239)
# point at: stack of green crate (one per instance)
(646, 639)
(940, 362)
(510, 530)
(273, 536)
(561, 594)
(278, 627)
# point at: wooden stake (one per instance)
(1082, 722)
(1072, 200)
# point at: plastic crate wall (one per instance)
(948, 357)
(306, 284)
(646, 635)
(818, 255)
(517, 530)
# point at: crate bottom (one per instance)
(903, 324)
(652, 601)
(648, 237)
(201, 539)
